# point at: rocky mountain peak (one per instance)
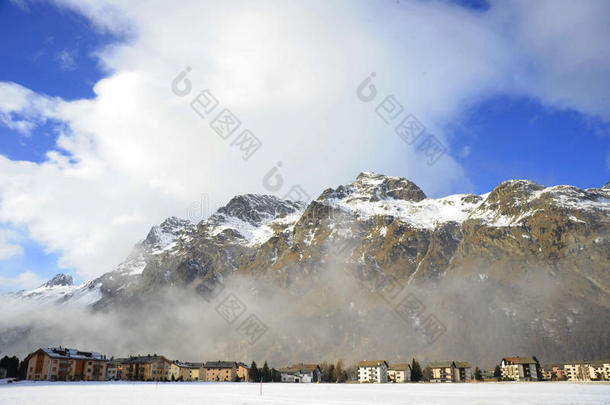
(370, 186)
(166, 231)
(256, 209)
(606, 186)
(513, 192)
(60, 279)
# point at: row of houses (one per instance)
(63, 364)
(579, 370)
(380, 371)
(511, 368)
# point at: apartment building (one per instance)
(220, 371)
(450, 371)
(190, 371)
(519, 368)
(373, 371)
(399, 372)
(553, 372)
(243, 372)
(592, 370)
(146, 368)
(64, 364)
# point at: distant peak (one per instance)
(606, 186)
(514, 189)
(253, 208)
(371, 186)
(59, 280)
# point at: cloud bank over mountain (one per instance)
(137, 153)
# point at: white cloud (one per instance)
(465, 151)
(562, 50)
(137, 153)
(8, 247)
(66, 60)
(23, 281)
(22, 110)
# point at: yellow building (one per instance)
(146, 368)
(173, 373)
(587, 370)
(243, 372)
(553, 372)
(220, 371)
(449, 371)
(62, 364)
(190, 371)
(399, 372)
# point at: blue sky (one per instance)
(57, 52)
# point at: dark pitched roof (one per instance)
(144, 359)
(462, 364)
(220, 364)
(399, 366)
(299, 367)
(520, 360)
(441, 364)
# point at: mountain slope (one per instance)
(525, 266)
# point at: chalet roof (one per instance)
(187, 364)
(599, 363)
(144, 359)
(220, 364)
(462, 364)
(441, 364)
(602, 361)
(399, 366)
(372, 363)
(520, 360)
(66, 353)
(299, 367)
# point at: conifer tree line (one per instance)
(14, 367)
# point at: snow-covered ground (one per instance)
(295, 394)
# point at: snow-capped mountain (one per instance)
(485, 250)
(250, 221)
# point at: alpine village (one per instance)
(65, 364)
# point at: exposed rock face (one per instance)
(524, 268)
(59, 280)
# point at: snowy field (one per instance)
(118, 393)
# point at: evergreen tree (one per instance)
(427, 373)
(266, 373)
(416, 373)
(477, 374)
(332, 377)
(23, 369)
(11, 364)
(538, 369)
(340, 373)
(275, 375)
(498, 372)
(253, 373)
(324, 369)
